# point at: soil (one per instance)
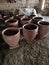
(35, 53)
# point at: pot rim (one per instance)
(30, 24)
(7, 21)
(11, 28)
(42, 22)
(38, 17)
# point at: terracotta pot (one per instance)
(7, 17)
(37, 19)
(12, 22)
(30, 31)
(31, 16)
(19, 17)
(26, 20)
(43, 29)
(11, 36)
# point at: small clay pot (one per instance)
(7, 17)
(43, 29)
(19, 17)
(25, 21)
(37, 19)
(11, 36)
(30, 31)
(12, 22)
(31, 16)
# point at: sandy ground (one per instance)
(35, 53)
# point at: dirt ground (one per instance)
(35, 53)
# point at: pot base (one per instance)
(12, 47)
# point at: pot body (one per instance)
(43, 29)
(30, 34)
(12, 40)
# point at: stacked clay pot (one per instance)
(43, 29)
(11, 36)
(30, 31)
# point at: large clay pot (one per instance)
(35, 20)
(43, 29)
(11, 36)
(25, 21)
(12, 22)
(30, 31)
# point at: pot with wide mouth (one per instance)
(25, 21)
(35, 20)
(43, 29)
(30, 31)
(12, 22)
(11, 36)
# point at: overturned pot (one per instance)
(25, 21)
(12, 22)
(35, 20)
(43, 29)
(30, 31)
(11, 36)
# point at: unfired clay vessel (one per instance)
(19, 17)
(12, 22)
(35, 20)
(30, 31)
(31, 16)
(43, 29)
(11, 36)
(25, 21)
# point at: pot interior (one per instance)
(11, 21)
(44, 23)
(26, 19)
(30, 27)
(38, 18)
(10, 32)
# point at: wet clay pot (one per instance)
(12, 22)
(30, 31)
(25, 21)
(43, 29)
(35, 20)
(11, 36)
(19, 17)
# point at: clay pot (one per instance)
(11, 36)
(43, 29)
(19, 17)
(30, 31)
(31, 16)
(25, 21)
(12, 22)
(37, 19)
(7, 17)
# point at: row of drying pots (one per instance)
(11, 35)
(31, 28)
